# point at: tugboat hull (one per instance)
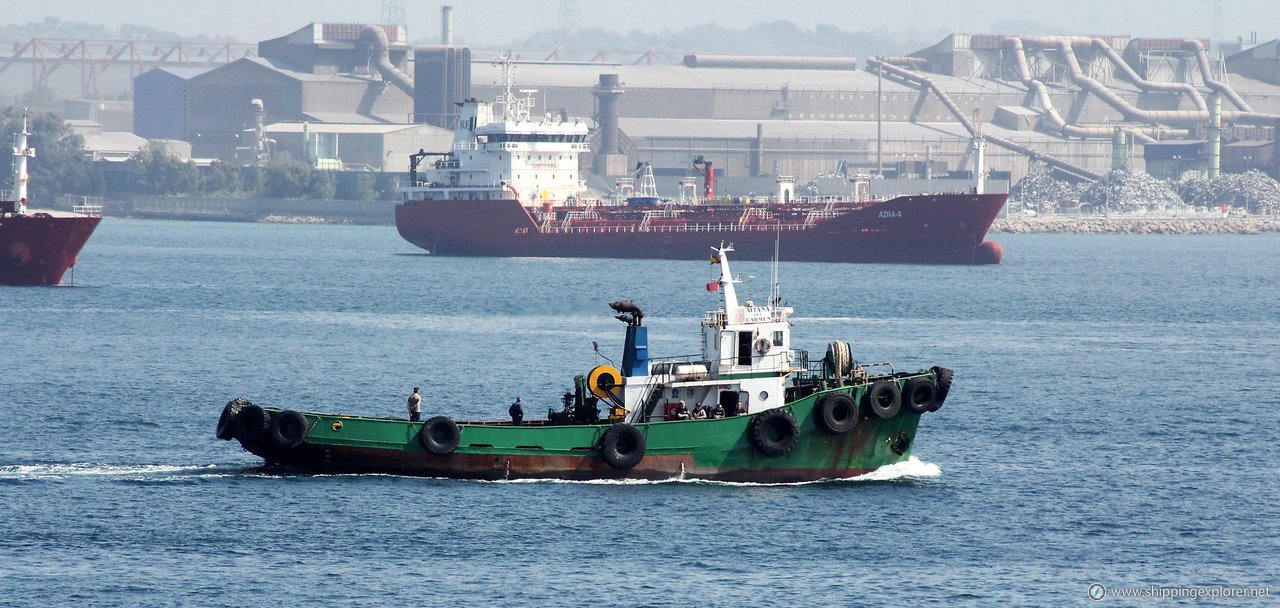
(721, 449)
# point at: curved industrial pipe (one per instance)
(1149, 85)
(1202, 58)
(1007, 144)
(1124, 107)
(1046, 102)
(1154, 116)
(376, 38)
(929, 84)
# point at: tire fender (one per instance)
(774, 432)
(440, 435)
(252, 423)
(836, 413)
(289, 429)
(884, 399)
(622, 446)
(920, 395)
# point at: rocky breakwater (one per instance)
(1130, 225)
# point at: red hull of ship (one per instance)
(38, 249)
(932, 229)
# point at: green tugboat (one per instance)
(770, 415)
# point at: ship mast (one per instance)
(21, 152)
(513, 109)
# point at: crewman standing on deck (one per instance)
(517, 412)
(415, 405)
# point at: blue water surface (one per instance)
(1114, 420)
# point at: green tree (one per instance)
(356, 186)
(221, 178)
(285, 178)
(321, 185)
(160, 173)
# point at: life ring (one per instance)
(884, 399)
(605, 382)
(251, 423)
(622, 446)
(763, 345)
(439, 435)
(775, 432)
(920, 394)
(944, 386)
(226, 422)
(836, 413)
(288, 429)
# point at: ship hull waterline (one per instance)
(926, 229)
(714, 449)
(38, 249)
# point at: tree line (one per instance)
(61, 167)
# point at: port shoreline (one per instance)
(1137, 225)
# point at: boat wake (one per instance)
(911, 469)
(139, 472)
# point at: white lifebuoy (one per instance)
(763, 345)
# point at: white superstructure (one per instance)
(501, 150)
(746, 358)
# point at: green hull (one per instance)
(717, 449)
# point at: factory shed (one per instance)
(355, 147)
(220, 100)
(1261, 62)
(160, 101)
(807, 148)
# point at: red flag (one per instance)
(713, 286)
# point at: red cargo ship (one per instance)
(510, 187)
(38, 246)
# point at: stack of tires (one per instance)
(253, 426)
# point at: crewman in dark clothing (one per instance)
(517, 412)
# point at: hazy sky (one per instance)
(504, 20)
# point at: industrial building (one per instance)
(1081, 104)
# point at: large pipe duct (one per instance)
(1127, 109)
(1206, 74)
(1066, 46)
(1007, 144)
(1153, 116)
(1143, 83)
(1046, 102)
(376, 38)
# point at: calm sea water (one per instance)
(1115, 420)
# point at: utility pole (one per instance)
(879, 120)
